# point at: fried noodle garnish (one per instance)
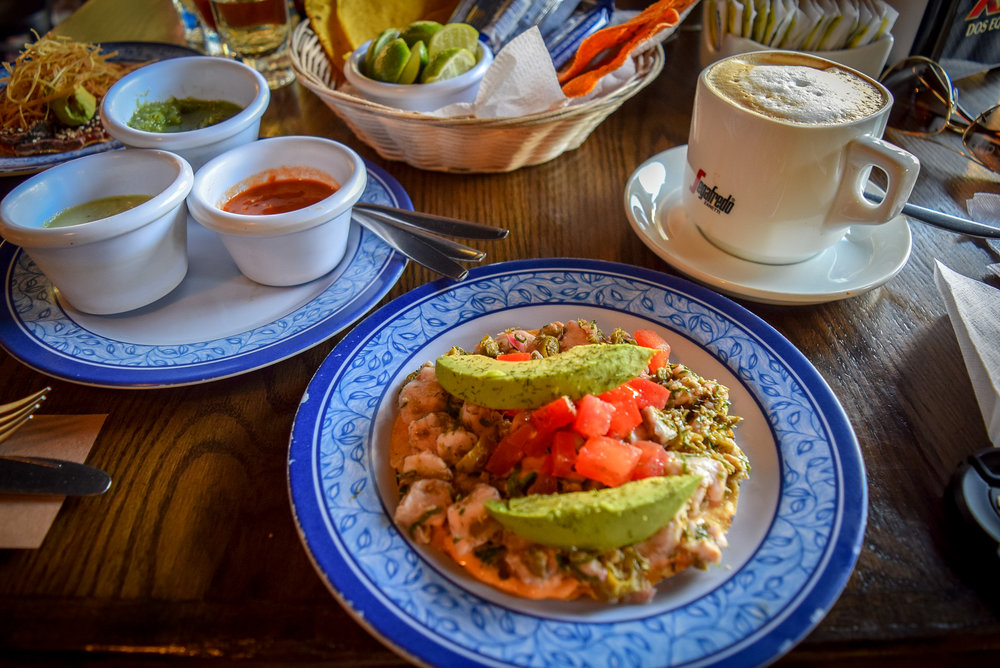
(48, 69)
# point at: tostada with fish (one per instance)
(51, 94)
(563, 462)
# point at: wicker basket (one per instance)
(463, 144)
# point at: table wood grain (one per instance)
(193, 556)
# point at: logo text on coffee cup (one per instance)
(712, 198)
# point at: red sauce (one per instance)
(278, 196)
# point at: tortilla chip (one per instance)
(343, 25)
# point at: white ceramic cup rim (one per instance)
(36, 236)
(119, 128)
(887, 95)
(207, 213)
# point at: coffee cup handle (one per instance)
(901, 169)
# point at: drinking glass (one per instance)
(257, 32)
(199, 25)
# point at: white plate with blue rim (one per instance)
(217, 323)
(129, 52)
(792, 545)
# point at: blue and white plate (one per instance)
(792, 545)
(131, 52)
(216, 323)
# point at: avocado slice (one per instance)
(586, 369)
(601, 519)
(76, 108)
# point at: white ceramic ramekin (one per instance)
(113, 264)
(199, 77)
(283, 248)
(418, 96)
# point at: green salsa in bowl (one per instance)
(196, 107)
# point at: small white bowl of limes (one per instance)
(423, 67)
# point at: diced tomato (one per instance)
(626, 418)
(650, 339)
(607, 460)
(536, 444)
(521, 440)
(648, 393)
(507, 453)
(652, 460)
(593, 416)
(533, 463)
(518, 416)
(647, 338)
(621, 393)
(514, 357)
(545, 482)
(564, 446)
(554, 415)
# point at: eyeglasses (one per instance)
(926, 104)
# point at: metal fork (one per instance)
(16, 413)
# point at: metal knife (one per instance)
(452, 249)
(42, 475)
(452, 227)
(413, 248)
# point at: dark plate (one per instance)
(127, 51)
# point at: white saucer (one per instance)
(864, 259)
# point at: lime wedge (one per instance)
(421, 48)
(390, 61)
(453, 36)
(417, 59)
(377, 45)
(448, 64)
(420, 31)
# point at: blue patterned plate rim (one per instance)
(432, 614)
(48, 340)
(130, 51)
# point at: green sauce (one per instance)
(175, 115)
(95, 210)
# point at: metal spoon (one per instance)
(940, 219)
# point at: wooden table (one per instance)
(194, 554)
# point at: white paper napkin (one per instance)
(521, 81)
(25, 519)
(974, 309)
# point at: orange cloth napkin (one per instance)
(25, 519)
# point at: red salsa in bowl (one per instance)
(278, 196)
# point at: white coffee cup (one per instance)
(780, 148)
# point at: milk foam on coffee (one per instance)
(791, 90)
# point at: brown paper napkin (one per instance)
(24, 520)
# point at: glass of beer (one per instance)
(257, 32)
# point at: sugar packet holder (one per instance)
(856, 33)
